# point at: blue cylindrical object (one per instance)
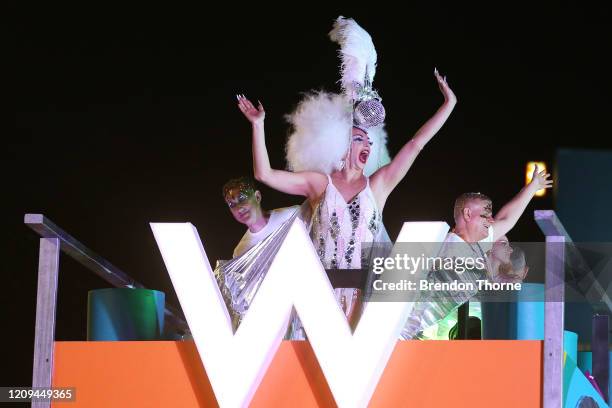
(121, 314)
(521, 319)
(527, 314)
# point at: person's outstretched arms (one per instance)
(509, 214)
(308, 184)
(389, 176)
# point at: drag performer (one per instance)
(474, 233)
(338, 157)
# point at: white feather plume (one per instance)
(321, 124)
(319, 140)
(357, 53)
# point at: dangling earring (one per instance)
(341, 165)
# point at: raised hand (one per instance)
(540, 179)
(449, 96)
(253, 114)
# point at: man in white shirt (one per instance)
(244, 202)
(473, 213)
(474, 233)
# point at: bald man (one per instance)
(475, 231)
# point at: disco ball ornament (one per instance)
(369, 113)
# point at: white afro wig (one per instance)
(321, 128)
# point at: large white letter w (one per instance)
(235, 363)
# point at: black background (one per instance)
(127, 115)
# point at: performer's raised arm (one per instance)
(308, 184)
(509, 214)
(389, 176)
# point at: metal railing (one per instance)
(53, 240)
(554, 307)
(556, 254)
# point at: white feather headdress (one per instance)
(322, 122)
(357, 53)
(319, 141)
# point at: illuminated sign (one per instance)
(236, 363)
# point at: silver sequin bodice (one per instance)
(339, 228)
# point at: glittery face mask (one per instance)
(238, 196)
(487, 210)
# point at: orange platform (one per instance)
(496, 373)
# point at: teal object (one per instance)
(527, 316)
(570, 344)
(577, 386)
(496, 322)
(585, 362)
(521, 319)
(122, 314)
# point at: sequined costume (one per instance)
(321, 135)
(338, 228)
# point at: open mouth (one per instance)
(363, 156)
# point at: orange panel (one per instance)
(468, 373)
(294, 379)
(132, 374)
(419, 374)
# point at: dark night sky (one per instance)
(123, 117)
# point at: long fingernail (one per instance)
(435, 70)
(237, 96)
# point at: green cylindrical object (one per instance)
(120, 314)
